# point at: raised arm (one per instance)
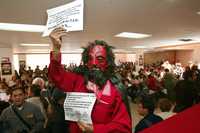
(62, 79)
(56, 39)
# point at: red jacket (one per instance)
(152, 83)
(107, 118)
(184, 122)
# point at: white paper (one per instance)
(78, 106)
(4, 96)
(69, 16)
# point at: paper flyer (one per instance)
(69, 16)
(78, 106)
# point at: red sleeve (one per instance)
(121, 121)
(62, 79)
(184, 122)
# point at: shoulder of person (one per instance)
(157, 117)
(7, 110)
(140, 126)
(31, 106)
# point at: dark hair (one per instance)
(99, 77)
(186, 94)
(58, 94)
(110, 58)
(187, 75)
(166, 70)
(147, 103)
(16, 88)
(165, 105)
(35, 89)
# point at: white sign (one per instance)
(78, 106)
(69, 16)
(4, 97)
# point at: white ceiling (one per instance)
(166, 20)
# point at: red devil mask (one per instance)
(97, 57)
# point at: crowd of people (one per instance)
(170, 87)
(32, 101)
(171, 93)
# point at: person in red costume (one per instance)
(110, 113)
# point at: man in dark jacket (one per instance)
(146, 108)
(22, 116)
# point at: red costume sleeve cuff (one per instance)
(55, 56)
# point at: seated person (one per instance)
(165, 106)
(146, 108)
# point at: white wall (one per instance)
(125, 58)
(33, 60)
(41, 60)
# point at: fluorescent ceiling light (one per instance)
(132, 35)
(173, 43)
(79, 49)
(74, 51)
(115, 50)
(139, 47)
(34, 45)
(34, 51)
(119, 50)
(22, 27)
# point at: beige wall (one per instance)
(191, 54)
(153, 57)
(185, 54)
(125, 58)
(196, 55)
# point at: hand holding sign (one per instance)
(56, 37)
(86, 128)
(69, 16)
